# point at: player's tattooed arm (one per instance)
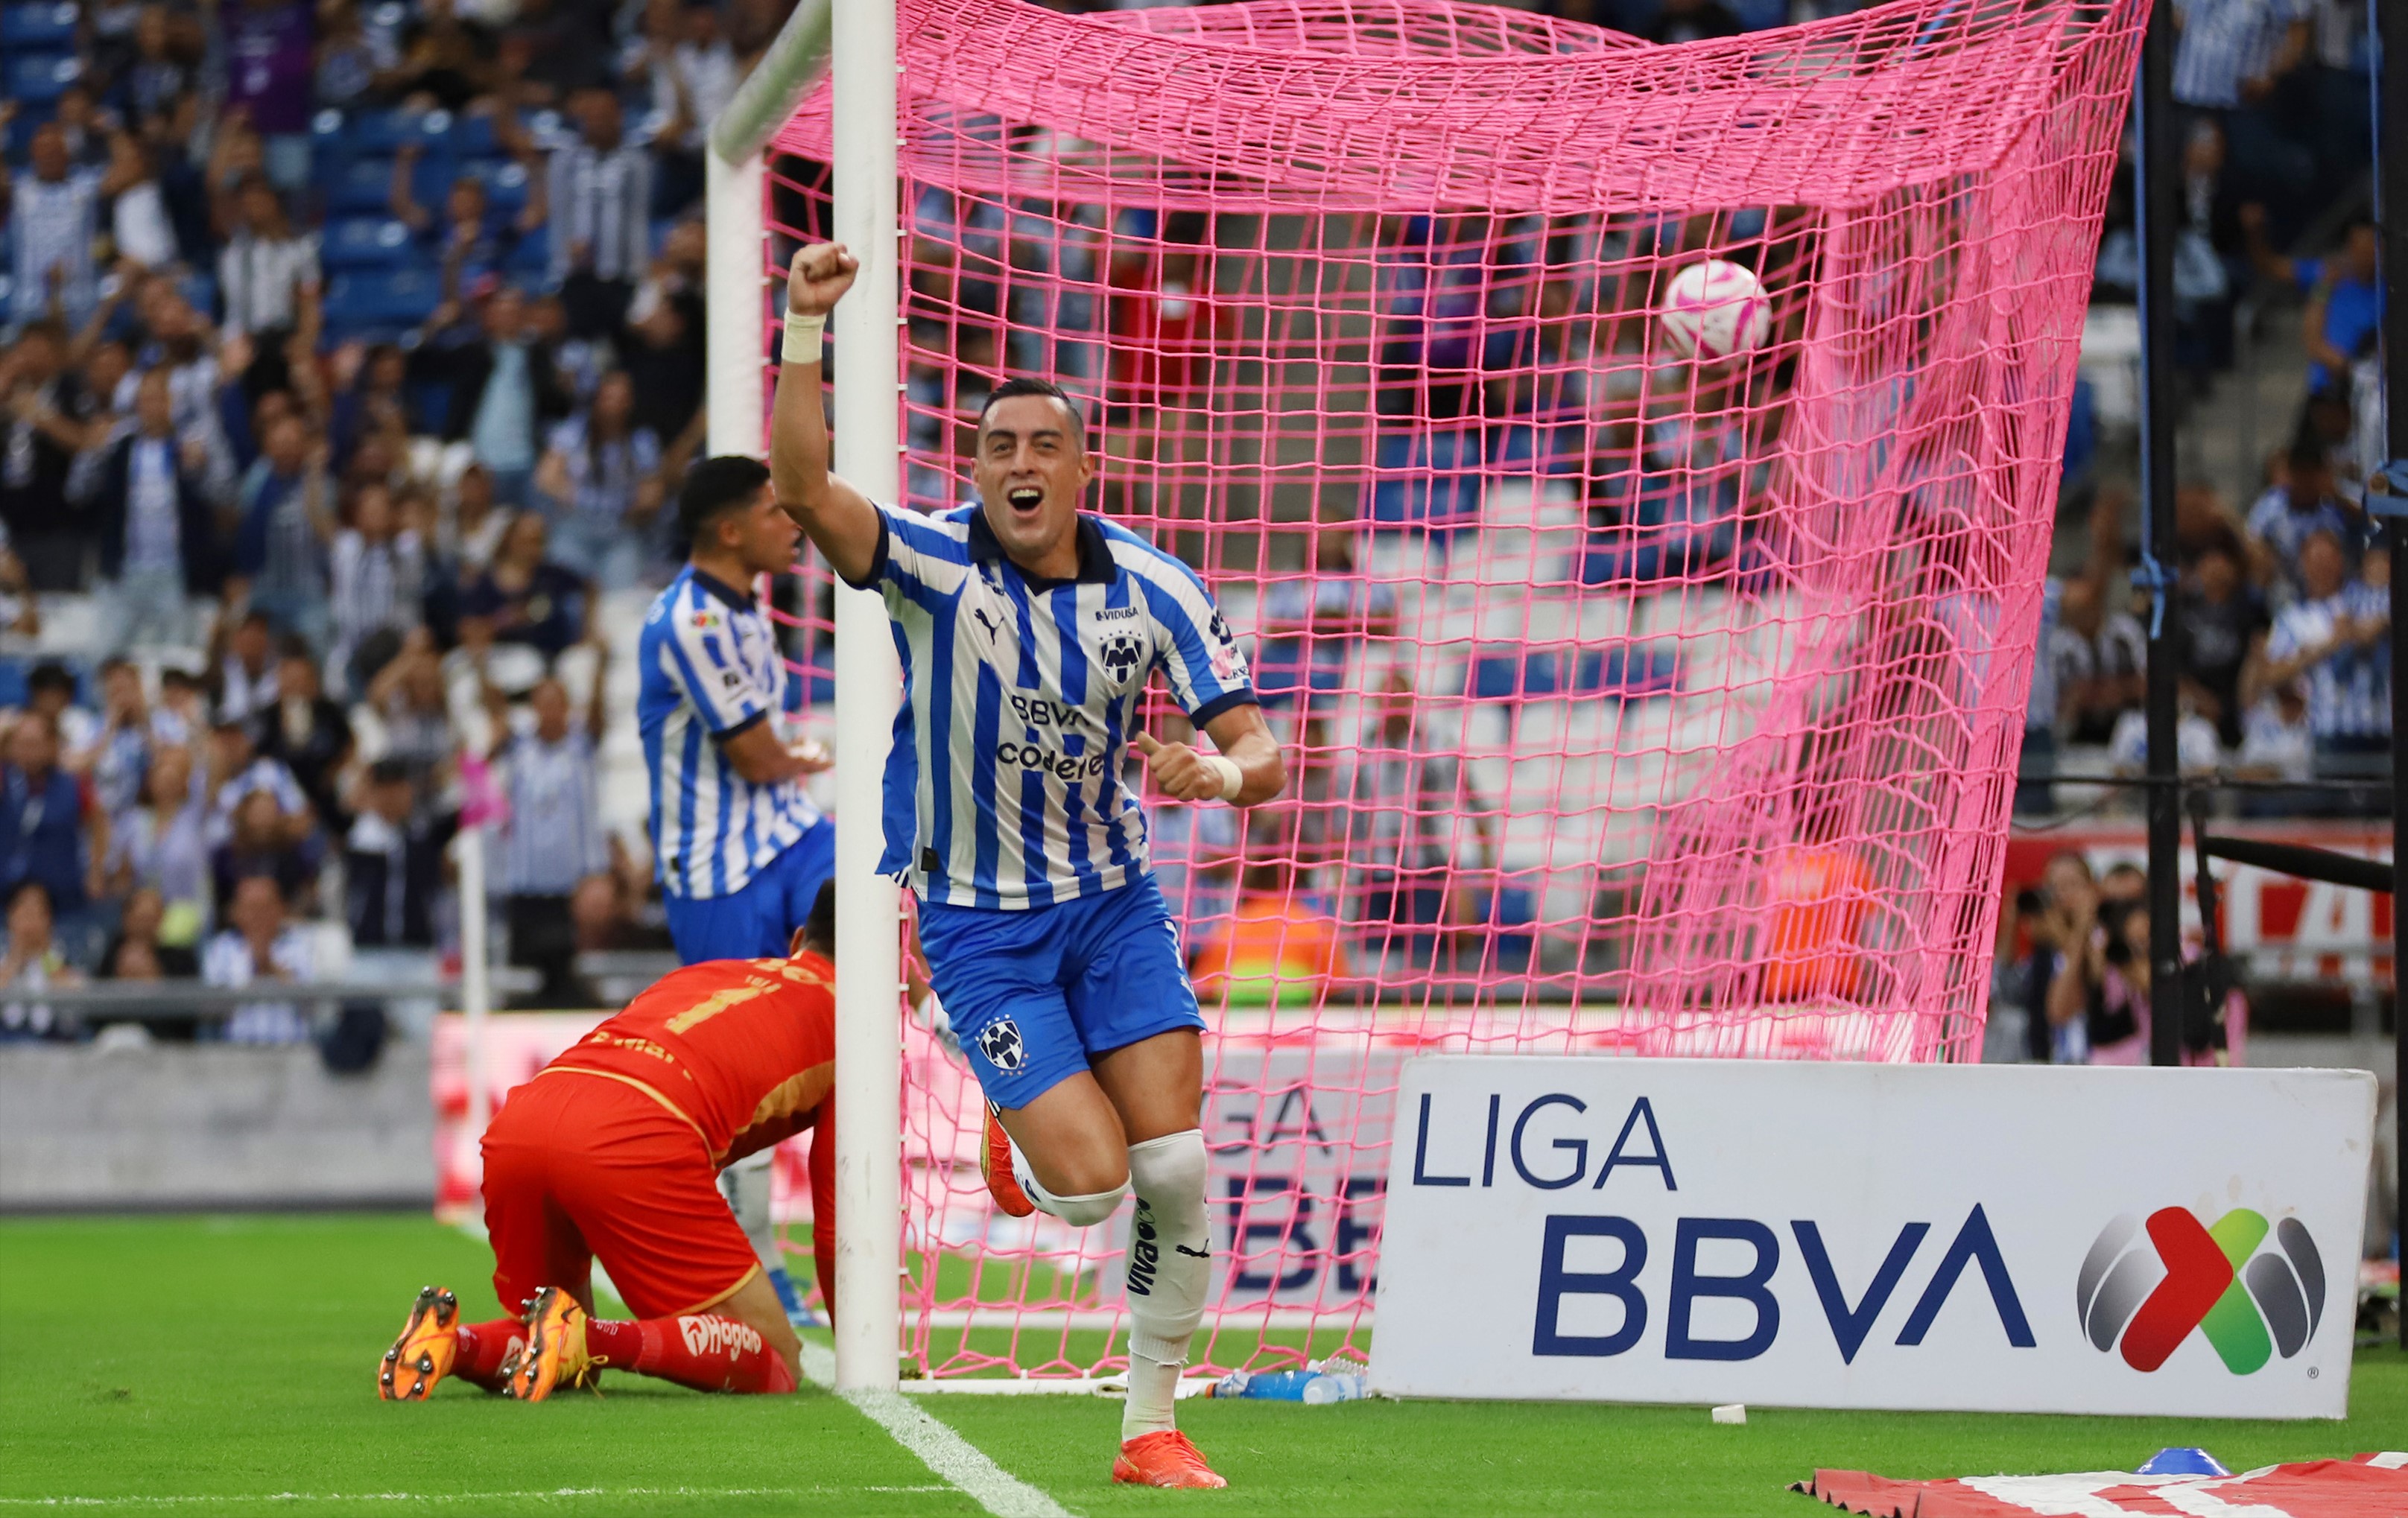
(1244, 740)
(839, 519)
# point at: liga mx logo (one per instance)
(2151, 1283)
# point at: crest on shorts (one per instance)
(1000, 1043)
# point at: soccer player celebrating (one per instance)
(614, 1150)
(1029, 630)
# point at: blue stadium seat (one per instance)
(381, 301)
(1427, 479)
(533, 254)
(1625, 672)
(360, 184)
(42, 77)
(47, 23)
(382, 131)
(505, 181)
(22, 127)
(356, 242)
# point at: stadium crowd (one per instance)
(352, 350)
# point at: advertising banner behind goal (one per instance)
(2001, 1238)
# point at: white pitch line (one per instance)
(941, 1448)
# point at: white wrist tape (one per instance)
(1233, 780)
(804, 336)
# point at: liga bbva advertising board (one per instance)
(1988, 1239)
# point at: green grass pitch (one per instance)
(230, 1359)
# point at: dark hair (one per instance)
(819, 929)
(715, 486)
(294, 646)
(389, 772)
(1024, 386)
(49, 675)
(2307, 453)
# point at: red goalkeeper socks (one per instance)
(707, 1353)
(483, 1346)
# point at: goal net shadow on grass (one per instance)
(1635, 703)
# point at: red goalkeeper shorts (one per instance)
(580, 1167)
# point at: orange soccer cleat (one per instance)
(423, 1354)
(555, 1348)
(994, 1166)
(1164, 1459)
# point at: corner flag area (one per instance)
(221, 1365)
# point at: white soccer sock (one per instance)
(1169, 1270)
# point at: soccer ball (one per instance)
(1714, 309)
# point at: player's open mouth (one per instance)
(1025, 498)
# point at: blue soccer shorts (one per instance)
(757, 922)
(1034, 995)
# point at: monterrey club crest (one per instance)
(1000, 1043)
(1121, 655)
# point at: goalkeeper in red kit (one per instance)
(613, 1152)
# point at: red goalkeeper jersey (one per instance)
(742, 1049)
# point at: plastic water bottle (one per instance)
(1326, 1387)
(1265, 1385)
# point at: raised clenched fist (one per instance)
(818, 279)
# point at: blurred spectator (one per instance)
(138, 218)
(692, 72)
(52, 830)
(21, 613)
(238, 771)
(559, 51)
(2345, 305)
(157, 78)
(48, 421)
(601, 195)
(267, 274)
(2336, 638)
(2196, 747)
(51, 692)
(246, 671)
(138, 952)
(118, 755)
(2231, 57)
(152, 499)
(393, 862)
(53, 214)
(380, 570)
(34, 962)
(503, 386)
(346, 68)
(555, 837)
(1280, 946)
(408, 698)
(2218, 620)
(260, 947)
(369, 399)
(446, 59)
(2282, 518)
(2098, 659)
(271, 54)
(2114, 1013)
(601, 480)
(662, 346)
(469, 238)
(308, 732)
(523, 597)
(258, 844)
(1404, 822)
(161, 845)
(286, 520)
(2277, 744)
(2068, 941)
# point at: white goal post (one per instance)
(855, 41)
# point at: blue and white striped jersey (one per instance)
(711, 669)
(1004, 786)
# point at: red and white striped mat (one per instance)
(2368, 1486)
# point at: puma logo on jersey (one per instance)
(714, 1336)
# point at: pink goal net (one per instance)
(1636, 702)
